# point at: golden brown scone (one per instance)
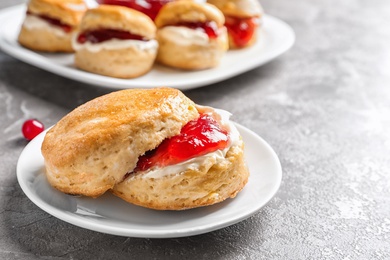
(185, 48)
(39, 34)
(45, 40)
(93, 147)
(236, 10)
(210, 183)
(120, 58)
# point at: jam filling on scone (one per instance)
(209, 27)
(53, 21)
(198, 137)
(148, 7)
(241, 29)
(101, 35)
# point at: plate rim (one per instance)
(27, 56)
(131, 232)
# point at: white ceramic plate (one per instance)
(276, 38)
(109, 214)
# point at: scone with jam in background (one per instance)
(49, 24)
(191, 35)
(115, 41)
(242, 20)
(154, 148)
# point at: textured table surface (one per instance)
(324, 106)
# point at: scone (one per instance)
(148, 7)
(93, 147)
(154, 148)
(191, 35)
(242, 20)
(49, 24)
(115, 41)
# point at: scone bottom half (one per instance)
(140, 145)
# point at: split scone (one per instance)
(154, 148)
(191, 35)
(242, 20)
(115, 41)
(49, 24)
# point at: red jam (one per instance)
(198, 137)
(148, 7)
(241, 29)
(101, 35)
(65, 27)
(210, 27)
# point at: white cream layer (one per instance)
(184, 36)
(32, 22)
(116, 44)
(234, 136)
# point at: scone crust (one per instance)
(119, 18)
(121, 63)
(92, 148)
(44, 40)
(239, 8)
(191, 57)
(69, 12)
(188, 11)
(211, 183)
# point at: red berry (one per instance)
(31, 128)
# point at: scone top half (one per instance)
(122, 19)
(66, 12)
(94, 146)
(190, 13)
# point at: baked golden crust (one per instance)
(239, 8)
(188, 11)
(120, 63)
(211, 183)
(192, 56)
(69, 12)
(44, 40)
(92, 148)
(119, 18)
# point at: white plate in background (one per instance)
(275, 38)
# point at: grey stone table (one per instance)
(324, 106)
